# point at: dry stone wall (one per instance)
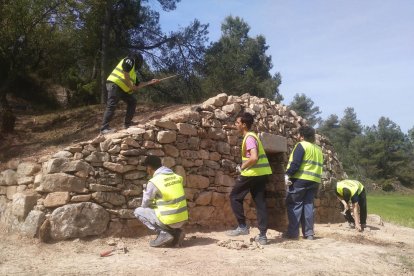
(93, 187)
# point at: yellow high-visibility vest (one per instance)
(172, 206)
(262, 167)
(354, 186)
(117, 77)
(312, 162)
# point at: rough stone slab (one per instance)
(9, 177)
(166, 136)
(25, 180)
(204, 198)
(102, 188)
(11, 191)
(22, 204)
(28, 169)
(78, 220)
(115, 167)
(187, 129)
(81, 198)
(98, 157)
(61, 182)
(135, 130)
(32, 223)
(63, 154)
(56, 199)
(165, 124)
(123, 213)
(217, 101)
(273, 143)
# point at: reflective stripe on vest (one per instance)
(172, 207)
(352, 185)
(117, 77)
(312, 162)
(262, 166)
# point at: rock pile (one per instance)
(92, 187)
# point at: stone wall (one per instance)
(92, 188)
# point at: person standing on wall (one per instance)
(254, 172)
(303, 176)
(121, 84)
(353, 190)
(164, 205)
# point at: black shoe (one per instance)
(261, 239)
(163, 238)
(130, 124)
(179, 236)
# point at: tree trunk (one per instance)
(104, 49)
(7, 118)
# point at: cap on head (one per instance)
(139, 60)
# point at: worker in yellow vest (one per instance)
(303, 176)
(121, 84)
(254, 172)
(164, 205)
(353, 190)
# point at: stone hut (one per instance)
(93, 187)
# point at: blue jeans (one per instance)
(300, 209)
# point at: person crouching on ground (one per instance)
(353, 190)
(164, 206)
(254, 172)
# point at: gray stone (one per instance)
(32, 223)
(171, 150)
(78, 220)
(273, 143)
(80, 198)
(25, 180)
(123, 213)
(220, 115)
(63, 154)
(165, 124)
(168, 162)
(187, 129)
(9, 177)
(61, 182)
(217, 101)
(223, 147)
(133, 152)
(23, 203)
(102, 188)
(224, 180)
(233, 108)
(166, 136)
(98, 157)
(135, 131)
(28, 169)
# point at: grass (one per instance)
(398, 209)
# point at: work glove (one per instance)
(287, 180)
(238, 169)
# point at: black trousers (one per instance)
(256, 185)
(114, 95)
(362, 202)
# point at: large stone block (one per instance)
(23, 203)
(28, 169)
(61, 182)
(32, 223)
(187, 129)
(109, 197)
(166, 136)
(273, 143)
(224, 180)
(78, 220)
(9, 177)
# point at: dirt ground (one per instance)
(337, 250)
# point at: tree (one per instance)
(305, 108)
(238, 64)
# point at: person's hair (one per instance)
(153, 162)
(308, 133)
(247, 118)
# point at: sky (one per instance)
(339, 53)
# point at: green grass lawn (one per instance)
(395, 208)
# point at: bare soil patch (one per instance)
(337, 250)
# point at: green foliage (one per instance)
(305, 108)
(238, 64)
(393, 208)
